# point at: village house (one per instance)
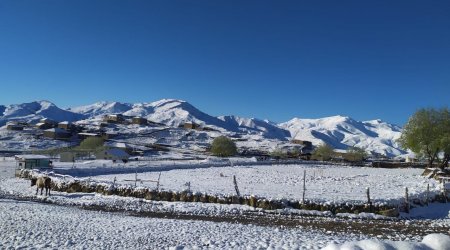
(56, 133)
(84, 135)
(115, 118)
(32, 162)
(112, 154)
(66, 126)
(191, 125)
(130, 149)
(46, 123)
(14, 126)
(139, 120)
(307, 146)
(108, 135)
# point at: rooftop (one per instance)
(30, 157)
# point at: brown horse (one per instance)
(42, 182)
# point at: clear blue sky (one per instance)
(264, 59)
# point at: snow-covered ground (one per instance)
(32, 225)
(29, 224)
(433, 241)
(324, 183)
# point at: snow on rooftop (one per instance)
(117, 152)
(31, 157)
(56, 130)
(88, 134)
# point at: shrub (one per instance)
(323, 152)
(91, 143)
(355, 154)
(278, 154)
(223, 146)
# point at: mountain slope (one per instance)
(341, 132)
(34, 111)
(102, 108)
(264, 128)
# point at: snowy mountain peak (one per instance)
(341, 132)
(102, 108)
(168, 103)
(33, 111)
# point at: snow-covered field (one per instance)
(324, 183)
(28, 224)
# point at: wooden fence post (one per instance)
(444, 190)
(188, 185)
(157, 183)
(236, 186)
(304, 187)
(407, 200)
(368, 199)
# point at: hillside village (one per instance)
(179, 128)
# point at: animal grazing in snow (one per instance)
(42, 182)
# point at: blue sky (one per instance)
(267, 59)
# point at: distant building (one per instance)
(67, 157)
(130, 149)
(139, 121)
(109, 135)
(112, 154)
(307, 146)
(66, 126)
(46, 123)
(191, 125)
(116, 118)
(85, 135)
(302, 142)
(32, 162)
(42, 125)
(410, 158)
(14, 126)
(56, 133)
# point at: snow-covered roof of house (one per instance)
(122, 145)
(64, 123)
(57, 130)
(30, 157)
(88, 134)
(47, 120)
(117, 152)
(119, 145)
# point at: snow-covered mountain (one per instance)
(34, 111)
(264, 128)
(337, 131)
(102, 108)
(176, 112)
(341, 132)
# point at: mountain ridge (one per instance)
(339, 131)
